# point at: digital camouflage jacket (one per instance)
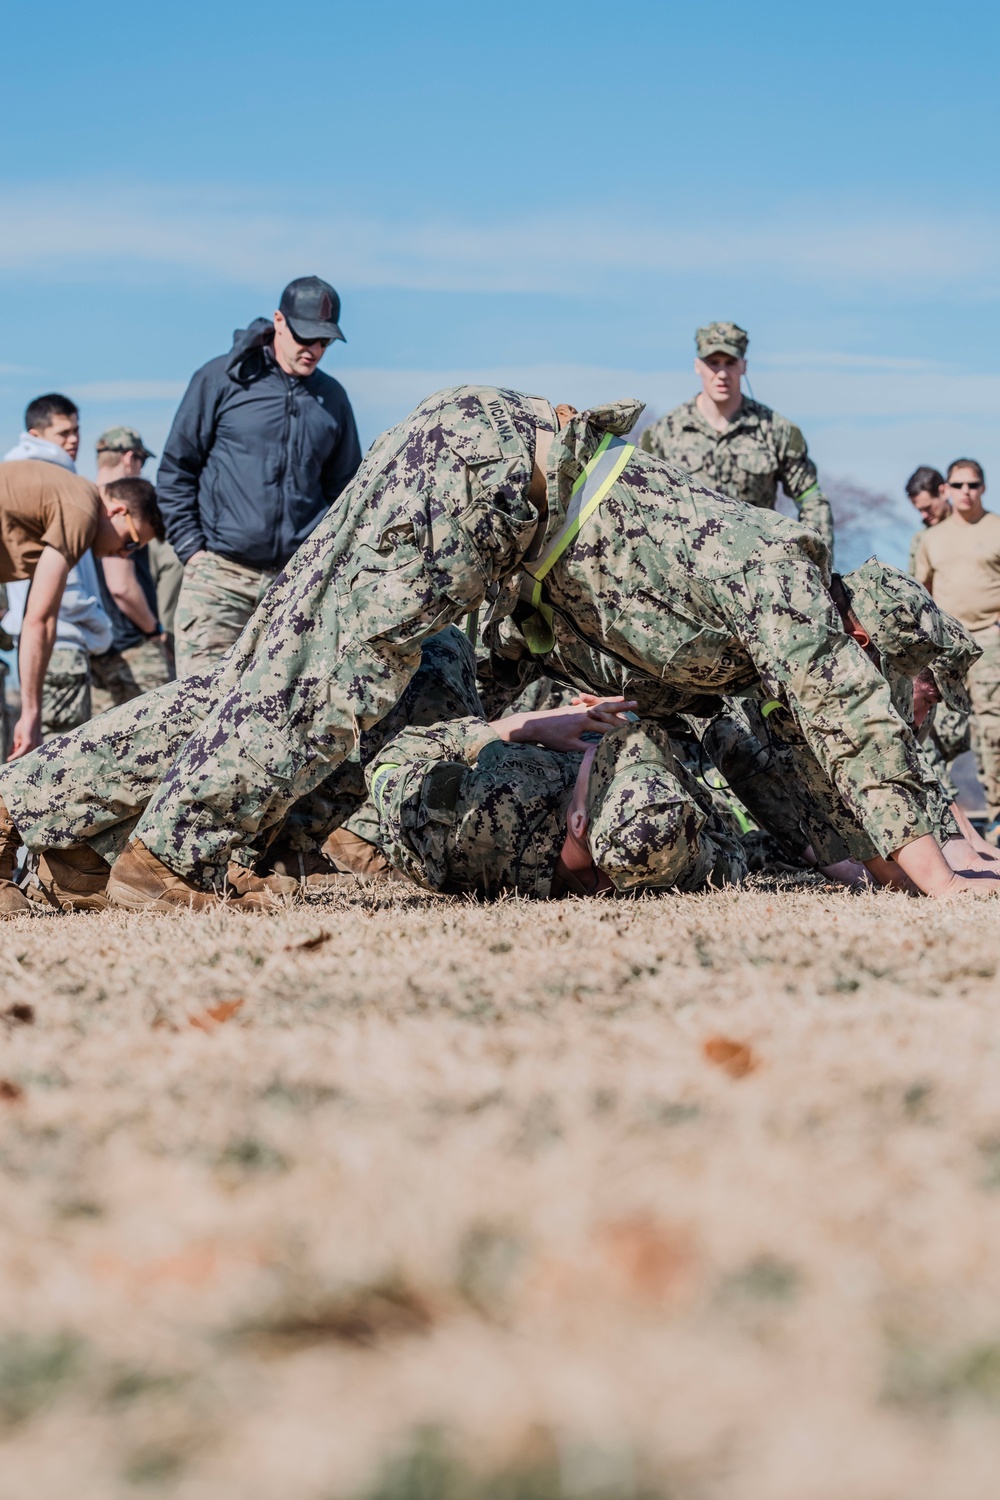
(758, 450)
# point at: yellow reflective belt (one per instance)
(771, 705)
(586, 495)
(813, 489)
(378, 780)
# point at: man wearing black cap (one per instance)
(262, 444)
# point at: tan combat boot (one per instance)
(309, 869)
(141, 882)
(12, 902)
(245, 883)
(355, 856)
(70, 880)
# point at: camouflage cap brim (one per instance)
(910, 631)
(123, 440)
(632, 805)
(721, 338)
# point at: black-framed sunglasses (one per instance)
(305, 343)
(135, 543)
(965, 484)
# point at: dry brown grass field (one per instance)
(398, 1198)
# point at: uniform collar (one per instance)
(747, 417)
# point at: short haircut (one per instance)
(924, 478)
(108, 457)
(40, 412)
(966, 463)
(139, 498)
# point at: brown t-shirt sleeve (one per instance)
(43, 506)
(72, 526)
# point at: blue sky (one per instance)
(539, 194)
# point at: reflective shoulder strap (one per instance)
(772, 703)
(590, 489)
(586, 495)
(813, 489)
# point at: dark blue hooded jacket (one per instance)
(255, 457)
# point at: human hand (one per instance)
(202, 552)
(27, 737)
(563, 728)
(976, 883)
(965, 859)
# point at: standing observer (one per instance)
(138, 659)
(48, 519)
(738, 446)
(261, 446)
(958, 561)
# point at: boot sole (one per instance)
(123, 896)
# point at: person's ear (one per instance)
(578, 824)
(278, 320)
(859, 634)
(743, 368)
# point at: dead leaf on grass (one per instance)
(214, 1015)
(649, 1256)
(10, 1092)
(20, 1013)
(316, 940)
(364, 1316)
(735, 1058)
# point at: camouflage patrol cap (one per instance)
(632, 805)
(910, 631)
(123, 440)
(721, 338)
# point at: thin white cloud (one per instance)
(129, 390)
(227, 234)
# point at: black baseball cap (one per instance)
(311, 308)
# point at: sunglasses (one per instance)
(965, 484)
(135, 543)
(307, 343)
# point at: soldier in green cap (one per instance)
(139, 592)
(728, 442)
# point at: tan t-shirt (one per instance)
(960, 565)
(42, 505)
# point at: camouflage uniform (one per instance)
(749, 457)
(460, 810)
(217, 597)
(66, 692)
(120, 676)
(946, 732)
(681, 586)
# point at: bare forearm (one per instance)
(125, 589)
(38, 637)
